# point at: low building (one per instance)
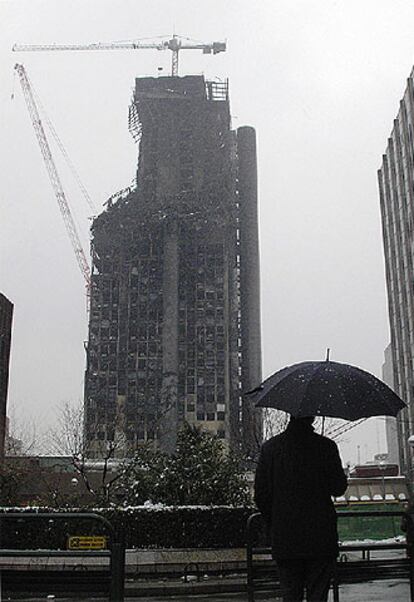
(375, 489)
(53, 480)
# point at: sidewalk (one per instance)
(378, 591)
(229, 590)
(386, 591)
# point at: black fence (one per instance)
(262, 574)
(116, 549)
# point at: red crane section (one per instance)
(53, 174)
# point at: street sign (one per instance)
(87, 542)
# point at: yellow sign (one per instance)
(87, 542)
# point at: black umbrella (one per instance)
(327, 389)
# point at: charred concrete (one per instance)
(174, 330)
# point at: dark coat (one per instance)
(297, 474)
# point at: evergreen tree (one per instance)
(200, 472)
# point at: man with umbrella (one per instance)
(299, 471)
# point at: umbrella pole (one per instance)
(328, 353)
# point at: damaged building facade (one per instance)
(174, 331)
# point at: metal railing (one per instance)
(254, 547)
(116, 545)
(367, 548)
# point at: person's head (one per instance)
(305, 420)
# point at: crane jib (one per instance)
(175, 44)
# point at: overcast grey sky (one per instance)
(320, 80)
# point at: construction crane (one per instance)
(175, 44)
(53, 174)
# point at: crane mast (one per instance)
(53, 174)
(175, 44)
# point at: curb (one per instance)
(185, 589)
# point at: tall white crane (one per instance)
(175, 44)
(53, 174)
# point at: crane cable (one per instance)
(61, 147)
(345, 428)
(53, 174)
(65, 155)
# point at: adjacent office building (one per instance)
(391, 434)
(174, 331)
(6, 316)
(396, 187)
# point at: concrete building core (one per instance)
(6, 317)
(174, 331)
(396, 188)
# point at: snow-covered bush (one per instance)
(147, 526)
(201, 471)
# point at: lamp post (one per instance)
(410, 443)
(382, 469)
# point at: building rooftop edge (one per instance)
(3, 298)
(396, 119)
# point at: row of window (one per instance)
(138, 435)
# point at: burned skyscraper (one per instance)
(174, 332)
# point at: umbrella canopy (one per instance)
(327, 389)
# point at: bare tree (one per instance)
(97, 474)
(275, 421)
(66, 438)
(23, 442)
(23, 436)
(272, 423)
